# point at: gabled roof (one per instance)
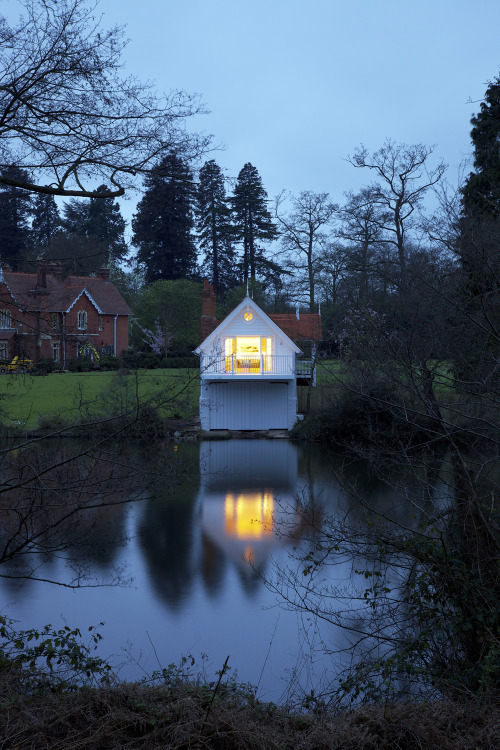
(60, 296)
(306, 327)
(253, 306)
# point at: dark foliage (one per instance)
(215, 229)
(253, 223)
(164, 222)
(481, 193)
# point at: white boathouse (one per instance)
(249, 369)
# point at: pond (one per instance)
(187, 563)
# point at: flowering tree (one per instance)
(159, 339)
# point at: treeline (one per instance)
(377, 249)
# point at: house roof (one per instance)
(232, 315)
(303, 328)
(60, 296)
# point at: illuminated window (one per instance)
(5, 319)
(246, 354)
(248, 316)
(249, 515)
(82, 320)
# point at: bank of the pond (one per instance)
(227, 717)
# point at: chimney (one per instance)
(208, 319)
(104, 274)
(41, 274)
(56, 270)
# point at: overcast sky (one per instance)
(293, 86)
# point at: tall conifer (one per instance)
(481, 192)
(252, 221)
(164, 222)
(15, 209)
(46, 221)
(214, 228)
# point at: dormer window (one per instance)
(5, 319)
(82, 320)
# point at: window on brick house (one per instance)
(100, 323)
(82, 320)
(55, 321)
(5, 319)
(55, 352)
(3, 350)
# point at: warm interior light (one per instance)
(248, 316)
(246, 345)
(249, 515)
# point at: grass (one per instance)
(67, 396)
(184, 715)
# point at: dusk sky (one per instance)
(294, 86)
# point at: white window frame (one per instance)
(56, 351)
(82, 320)
(3, 350)
(5, 317)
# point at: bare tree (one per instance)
(403, 178)
(66, 113)
(303, 236)
(419, 399)
(359, 227)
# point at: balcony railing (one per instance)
(248, 364)
(304, 367)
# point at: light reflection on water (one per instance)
(196, 555)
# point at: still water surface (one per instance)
(196, 554)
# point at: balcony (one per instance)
(255, 365)
(247, 365)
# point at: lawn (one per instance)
(69, 396)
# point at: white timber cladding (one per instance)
(248, 379)
(252, 406)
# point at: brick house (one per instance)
(43, 315)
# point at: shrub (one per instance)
(44, 366)
(109, 362)
(141, 360)
(377, 416)
(180, 362)
(82, 364)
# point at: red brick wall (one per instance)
(29, 342)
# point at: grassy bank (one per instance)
(26, 401)
(189, 715)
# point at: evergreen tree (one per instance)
(107, 225)
(46, 221)
(76, 217)
(214, 228)
(481, 193)
(15, 209)
(163, 224)
(77, 250)
(252, 222)
(99, 221)
(93, 235)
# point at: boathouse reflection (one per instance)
(243, 510)
(247, 497)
